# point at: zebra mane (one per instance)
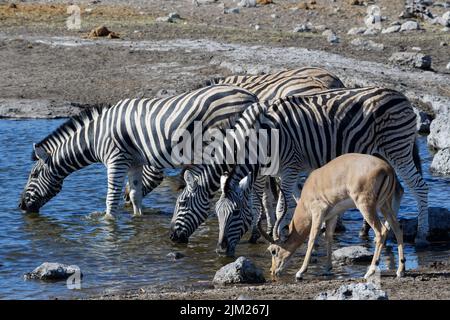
(68, 128)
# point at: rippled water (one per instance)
(131, 252)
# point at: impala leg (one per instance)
(330, 226)
(369, 213)
(135, 183)
(393, 222)
(315, 230)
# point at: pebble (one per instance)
(409, 26)
(231, 10)
(356, 30)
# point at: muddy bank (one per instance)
(424, 284)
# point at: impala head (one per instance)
(280, 258)
(233, 212)
(191, 208)
(42, 183)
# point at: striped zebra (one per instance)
(269, 87)
(313, 130)
(133, 133)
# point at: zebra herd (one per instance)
(316, 119)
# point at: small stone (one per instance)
(356, 30)
(423, 121)
(302, 28)
(354, 291)
(448, 66)
(175, 255)
(327, 32)
(51, 271)
(391, 29)
(247, 3)
(409, 26)
(273, 16)
(411, 60)
(367, 44)
(370, 32)
(352, 254)
(231, 10)
(174, 16)
(443, 44)
(333, 38)
(164, 19)
(320, 28)
(257, 27)
(240, 271)
(395, 23)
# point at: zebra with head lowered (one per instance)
(313, 130)
(133, 133)
(267, 88)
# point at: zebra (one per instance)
(133, 133)
(313, 129)
(266, 87)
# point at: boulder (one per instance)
(439, 137)
(441, 163)
(409, 26)
(240, 271)
(354, 291)
(411, 60)
(423, 121)
(352, 254)
(52, 271)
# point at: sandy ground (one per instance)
(425, 284)
(43, 76)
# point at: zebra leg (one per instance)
(411, 176)
(116, 178)
(257, 208)
(135, 183)
(268, 200)
(286, 203)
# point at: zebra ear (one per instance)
(189, 179)
(223, 182)
(244, 184)
(40, 153)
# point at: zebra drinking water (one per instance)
(313, 130)
(133, 133)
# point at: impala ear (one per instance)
(40, 153)
(189, 179)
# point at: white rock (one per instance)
(247, 3)
(441, 163)
(257, 27)
(409, 26)
(411, 60)
(174, 15)
(240, 271)
(273, 16)
(164, 19)
(354, 291)
(328, 32)
(356, 30)
(352, 254)
(391, 29)
(367, 44)
(370, 32)
(231, 10)
(448, 66)
(333, 38)
(423, 121)
(302, 28)
(439, 137)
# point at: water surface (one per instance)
(131, 252)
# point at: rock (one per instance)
(231, 10)
(441, 163)
(439, 223)
(446, 19)
(409, 26)
(352, 254)
(391, 29)
(327, 32)
(102, 31)
(395, 23)
(164, 19)
(367, 44)
(302, 28)
(448, 66)
(423, 121)
(356, 30)
(320, 28)
(240, 271)
(247, 3)
(439, 137)
(174, 16)
(274, 16)
(51, 271)
(370, 32)
(257, 27)
(411, 60)
(354, 291)
(332, 38)
(175, 255)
